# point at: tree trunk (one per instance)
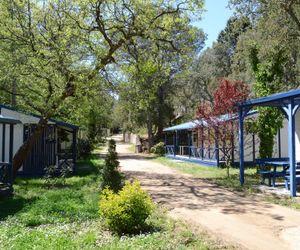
(150, 132)
(25, 149)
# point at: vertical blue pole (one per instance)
(241, 142)
(217, 148)
(189, 143)
(253, 147)
(174, 143)
(166, 134)
(177, 143)
(291, 136)
(3, 141)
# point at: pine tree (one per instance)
(111, 176)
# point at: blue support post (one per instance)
(177, 143)
(291, 141)
(217, 148)
(253, 147)
(166, 143)
(189, 143)
(241, 142)
(174, 143)
(3, 141)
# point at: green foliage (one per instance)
(127, 211)
(269, 76)
(111, 176)
(84, 148)
(158, 149)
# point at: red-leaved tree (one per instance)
(218, 120)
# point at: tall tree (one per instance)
(62, 45)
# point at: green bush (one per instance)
(158, 149)
(127, 211)
(111, 176)
(84, 148)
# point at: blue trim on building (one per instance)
(196, 123)
(59, 123)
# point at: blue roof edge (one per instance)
(192, 124)
(60, 123)
(270, 98)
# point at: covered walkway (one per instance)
(288, 103)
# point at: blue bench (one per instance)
(265, 169)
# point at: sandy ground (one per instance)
(243, 222)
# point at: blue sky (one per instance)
(214, 19)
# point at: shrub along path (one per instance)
(244, 222)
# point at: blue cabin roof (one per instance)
(8, 120)
(193, 124)
(275, 100)
(59, 123)
(184, 126)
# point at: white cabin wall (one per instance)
(17, 142)
(297, 135)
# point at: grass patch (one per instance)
(217, 175)
(66, 217)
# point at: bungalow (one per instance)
(184, 142)
(57, 145)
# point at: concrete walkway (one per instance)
(240, 221)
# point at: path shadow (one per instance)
(194, 193)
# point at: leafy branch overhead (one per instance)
(56, 49)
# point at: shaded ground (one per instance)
(242, 221)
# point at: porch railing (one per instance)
(204, 153)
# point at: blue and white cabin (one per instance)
(56, 146)
(183, 142)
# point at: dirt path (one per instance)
(242, 221)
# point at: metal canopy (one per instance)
(288, 102)
(275, 100)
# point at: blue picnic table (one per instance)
(274, 173)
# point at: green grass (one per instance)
(217, 175)
(66, 217)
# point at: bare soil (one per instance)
(244, 222)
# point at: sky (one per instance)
(214, 19)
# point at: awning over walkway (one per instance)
(289, 103)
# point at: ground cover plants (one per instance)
(67, 217)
